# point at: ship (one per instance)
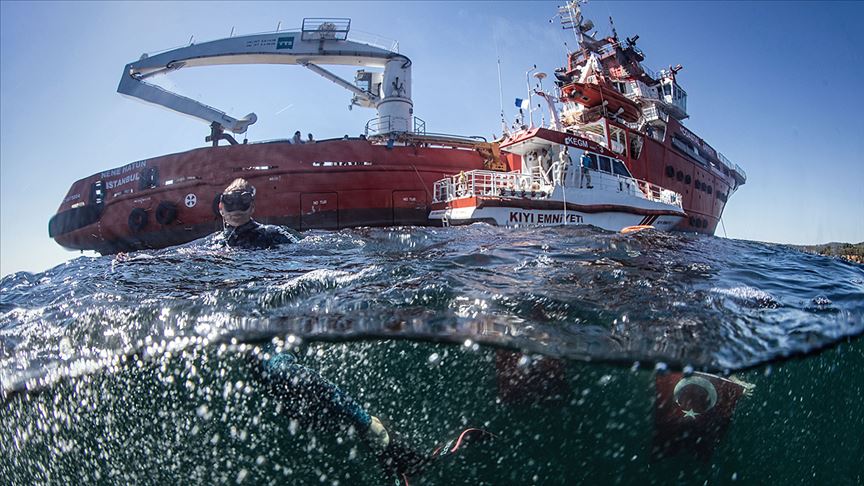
(383, 177)
(553, 189)
(386, 176)
(605, 95)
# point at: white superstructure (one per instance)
(557, 185)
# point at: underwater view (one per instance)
(561, 355)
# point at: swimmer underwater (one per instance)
(306, 396)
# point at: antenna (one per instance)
(278, 26)
(571, 19)
(501, 98)
(500, 88)
(528, 85)
(540, 77)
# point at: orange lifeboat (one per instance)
(591, 95)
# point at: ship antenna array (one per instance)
(501, 99)
(571, 19)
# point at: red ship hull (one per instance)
(169, 200)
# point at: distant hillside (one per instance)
(853, 252)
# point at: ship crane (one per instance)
(319, 42)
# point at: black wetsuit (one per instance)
(307, 396)
(255, 235)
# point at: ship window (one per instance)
(605, 164)
(619, 168)
(589, 161)
(97, 193)
(149, 178)
(635, 145)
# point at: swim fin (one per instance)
(404, 461)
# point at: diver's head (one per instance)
(237, 203)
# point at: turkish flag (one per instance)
(692, 413)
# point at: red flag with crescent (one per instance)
(692, 413)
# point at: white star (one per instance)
(690, 413)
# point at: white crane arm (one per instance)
(308, 48)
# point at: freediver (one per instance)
(307, 396)
(236, 206)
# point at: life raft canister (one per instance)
(138, 218)
(166, 212)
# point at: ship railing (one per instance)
(653, 192)
(374, 40)
(650, 72)
(651, 113)
(325, 29)
(482, 183)
(605, 181)
(383, 125)
(731, 165)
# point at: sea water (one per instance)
(135, 370)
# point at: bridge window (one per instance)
(619, 168)
(605, 164)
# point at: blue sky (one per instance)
(774, 86)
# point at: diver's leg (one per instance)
(312, 399)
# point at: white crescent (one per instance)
(703, 383)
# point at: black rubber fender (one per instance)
(166, 212)
(138, 219)
(670, 171)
